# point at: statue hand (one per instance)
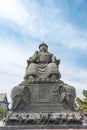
(58, 62)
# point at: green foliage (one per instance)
(82, 103)
(3, 112)
(85, 93)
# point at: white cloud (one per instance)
(13, 10)
(75, 77)
(13, 56)
(41, 25)
(74, 37)
(10, 53)
(63, 32)
(58, 30)
(16, 12)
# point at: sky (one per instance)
(61, 24)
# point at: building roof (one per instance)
(3, 97)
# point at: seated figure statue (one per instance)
(42, 64)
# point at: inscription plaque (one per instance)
(43, 93)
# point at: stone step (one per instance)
(44, 108)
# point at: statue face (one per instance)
(43, 49)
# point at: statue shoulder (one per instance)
(50, 54)
(34, 57)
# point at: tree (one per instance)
(82, 103)
(3, 112)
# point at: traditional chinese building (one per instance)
(4, 101)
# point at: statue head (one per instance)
(43, 47)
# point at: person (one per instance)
(42, 64)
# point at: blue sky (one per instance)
(24, 24)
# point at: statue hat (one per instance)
(43, 44)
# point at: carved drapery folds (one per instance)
(42, 64)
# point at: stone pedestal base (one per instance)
(43, 97)
(44, 119)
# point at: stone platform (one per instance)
(45, 127)
(43, 96)
(45, 119)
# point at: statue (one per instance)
(42, 98)
(42, 65)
